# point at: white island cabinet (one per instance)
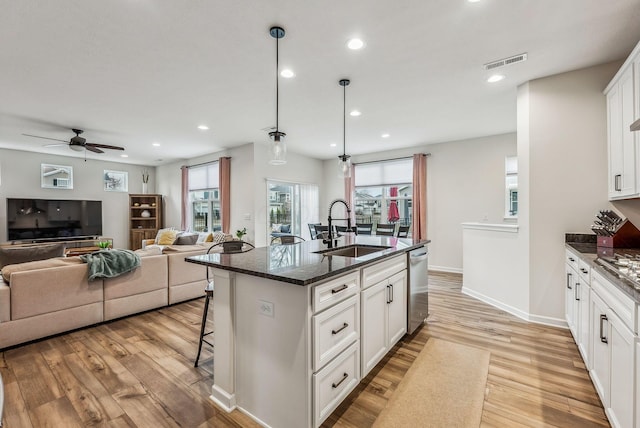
(384, 309)
(287, 354)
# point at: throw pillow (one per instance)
(10, 256)
(285, 228)
(219, 237)
(209, 238)
(186, 239)
(275, 227)
(201, 237)
(166, 236)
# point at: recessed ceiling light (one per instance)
(203, 127)
(385, 135)
(355, 113)
(287, 74)
(333, 144)
(355, 44)
(155, 144)
(124, 156)
(495, 78)
(473, 1)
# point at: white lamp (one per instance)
(278, 147)
(344, 160)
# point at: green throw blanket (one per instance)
(110, 263)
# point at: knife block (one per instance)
(626, 236)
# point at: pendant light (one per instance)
(277, 148)
(344, 161)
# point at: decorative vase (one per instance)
(145, 214)
(144, 188)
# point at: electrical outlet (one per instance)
(266, 308)
(247, 216)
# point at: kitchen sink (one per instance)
(353, 250)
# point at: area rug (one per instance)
(444, 387)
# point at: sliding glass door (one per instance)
(290, 206)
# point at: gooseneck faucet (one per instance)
(329, 240)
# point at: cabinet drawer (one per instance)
(584, 269)
(620, 303)
(334, 330)
(333, 383)
(334, 291)
(572, 260)
(373, 274)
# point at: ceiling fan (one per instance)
(78, 143)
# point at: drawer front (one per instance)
(572, 260)
(334, 291)
(333, 383)
(373, 274)
(584, 269)
(620, 303)
(334, 330)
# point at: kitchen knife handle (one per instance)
(569, 281)
(616, 179)
(603, 339)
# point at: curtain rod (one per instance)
(205, 163)
(392, 159)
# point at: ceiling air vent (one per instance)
(505, 61)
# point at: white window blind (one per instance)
(384, 172)
(204, 177)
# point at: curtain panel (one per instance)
(419, 211)
(184, 205)
(225, 193)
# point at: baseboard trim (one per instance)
(223, 399)
(258, 420)
(445, 269)
(538, 319)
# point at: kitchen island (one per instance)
(297, 326)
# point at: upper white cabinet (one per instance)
(623, 108)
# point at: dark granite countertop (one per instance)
(589, 253)
(299, 264)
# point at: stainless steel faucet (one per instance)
(329, 240)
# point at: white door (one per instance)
(397, 307)
(621, 344)
(600, 372)
(583, 324)
(373, 326)
(569, 307)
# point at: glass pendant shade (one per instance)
(344, 166)
(277, 148)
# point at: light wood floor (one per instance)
(138, 371)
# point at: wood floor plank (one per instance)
(138, 371)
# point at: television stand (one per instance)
(73, 246)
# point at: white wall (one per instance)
(465, 183)
(249, 171)
(21, 179)
(562, 155)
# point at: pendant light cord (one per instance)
(277, 83)
(344, 120)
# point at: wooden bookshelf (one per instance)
(145, 218)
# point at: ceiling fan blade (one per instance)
(45, 138)
(104, 146)
(92, 149)
(55, 145)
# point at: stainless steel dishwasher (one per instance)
(418, 297)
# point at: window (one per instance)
(511, 187)
(204, 198)
(384, 192)
(290, 206)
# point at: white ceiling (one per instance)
(134, 72)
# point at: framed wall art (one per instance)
(116, 181)
(56, 176)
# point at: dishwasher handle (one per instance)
(418, 257)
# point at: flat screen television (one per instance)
(34, 220)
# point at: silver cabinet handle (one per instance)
(344, 377)
(603, 339)
(617, 179)
(583, 270)
(577, 291)
(391, 292)
(339, 289)
(569, 281)
(344, 325)
(388, 294)
(571, 259)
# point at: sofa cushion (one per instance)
(7, 271)
(166, 236)
(275, 227)
(285, 228)
(10, 256)
(149, 250)
(186, 239)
